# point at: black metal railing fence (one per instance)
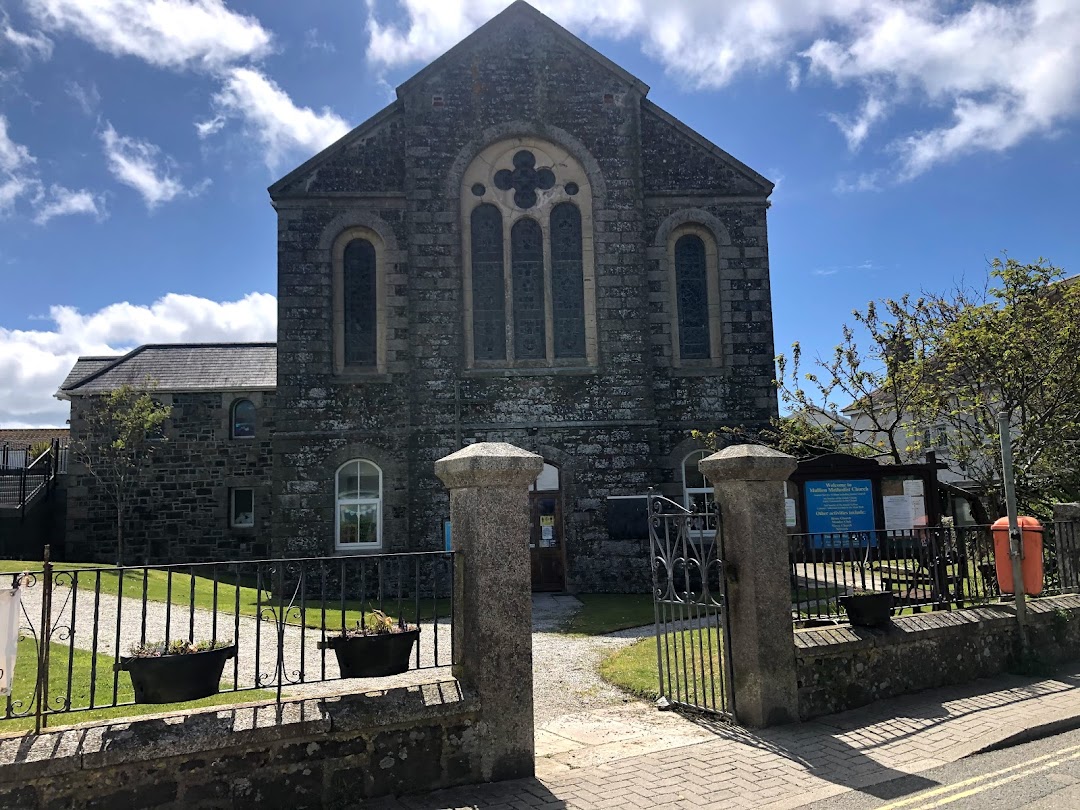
(926, 568)
(77, 623)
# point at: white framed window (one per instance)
(243, 419)
(242, 508)
(358, 506)
(698, 493)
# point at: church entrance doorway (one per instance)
(546, 547)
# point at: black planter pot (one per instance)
(372, 656)
(176, 678)
(868, 609)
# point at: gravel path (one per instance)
(566, 680)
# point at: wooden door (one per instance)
(546, 542)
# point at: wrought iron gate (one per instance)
(693, 651)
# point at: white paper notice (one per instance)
(789, 512)
(898, 515)
(918, 510)
(913, 487)
(10, 600)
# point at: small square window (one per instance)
(242, 508)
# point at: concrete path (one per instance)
(698, 764)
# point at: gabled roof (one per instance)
(522, 10)
(178, 367)
(517, 10)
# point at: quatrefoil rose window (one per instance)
(525, 179)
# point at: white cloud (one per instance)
(210, 126)
(88, 98)
(30, 45)
(62, 202)
(855, 128)
(173, 34)
(13, 156)
(33, 363)
(141, 165)
(273, 118)
(1002, 71)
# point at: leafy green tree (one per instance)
(1012, 348)
(958, 359)
(122, 431)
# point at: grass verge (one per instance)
(694, 654)
(82, 677)
(232, 596)
(607, 612)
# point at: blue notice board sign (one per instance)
(839, 506)
(447, 536)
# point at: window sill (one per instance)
(357, 375)
(546, 371)
(355, 551)
(699, 371)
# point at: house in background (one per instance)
(521, 247)
(206, 494)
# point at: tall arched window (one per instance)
(530, 289)
(527, 277)
(488, 285)
(360, 303)
(697, 492)
(567, 281)
(243, 419)
(358, 502)
(692, 298)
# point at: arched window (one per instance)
(488, 285)
(358, 501)
(527, 277)
(692, 298)
(567, 281)
(697, 492)
(530, 294)
(360, 303)
(243, 419)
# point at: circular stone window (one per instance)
(479, 189)
(571, 189)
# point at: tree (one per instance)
(800, 434)
(958, 359)
(1012, 348)
(122, 431)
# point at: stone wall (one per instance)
(843, 667)
(327, 754)
(614, 428)
(180, 510)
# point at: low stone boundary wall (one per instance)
(843, 667)
(320, 753)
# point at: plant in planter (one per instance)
(380, 648)
(176, 671)
(868, 608)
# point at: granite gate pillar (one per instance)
(489, 519)
(748, 485)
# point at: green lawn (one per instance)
(608, 612)
(634, 668)
(231, 597)
(26, 676)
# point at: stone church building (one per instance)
(521, 248)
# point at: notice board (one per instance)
(839, 506)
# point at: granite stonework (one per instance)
(179, 512)
(843, 667)
(489, 511)
(615, 427)
(748, 483)
(328, 753)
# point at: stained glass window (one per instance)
(243, 419)
(567, 283)
(488, 286)
(692, 298)
(359, 300)
(527, 268)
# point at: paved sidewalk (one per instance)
(688, 764)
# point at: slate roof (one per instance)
(176, 367)
(22, 436)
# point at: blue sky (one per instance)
(910, 141)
